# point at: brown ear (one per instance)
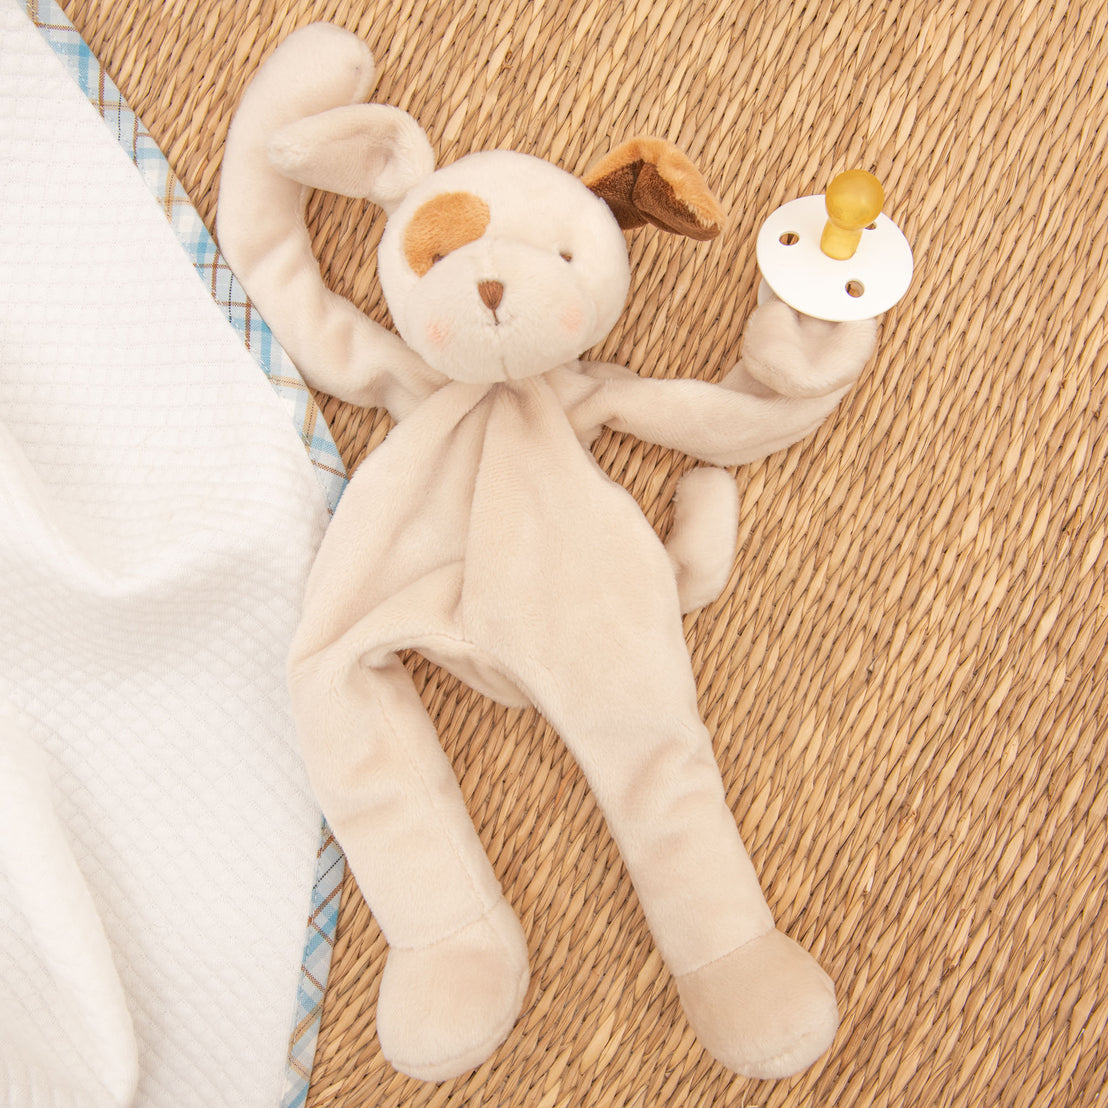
(648, 181)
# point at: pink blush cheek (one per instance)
(571, 319)
(438, 334)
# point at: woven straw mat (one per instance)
(906, 673)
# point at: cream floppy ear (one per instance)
(646, 180)
(373, 151)
(308, 92)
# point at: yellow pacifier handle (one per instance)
(854, 200)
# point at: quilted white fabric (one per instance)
(158, 516)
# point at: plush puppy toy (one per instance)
(483, 534)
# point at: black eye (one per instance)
(567, 256)
(436, 258)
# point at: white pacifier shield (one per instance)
(861, 287)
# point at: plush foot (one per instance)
(765, 1010)
(443, 1009)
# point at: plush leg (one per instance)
(457, 966)
(628, 711)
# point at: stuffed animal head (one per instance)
(499, 266)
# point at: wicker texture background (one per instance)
(906, 675)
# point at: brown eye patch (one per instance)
(445, 223)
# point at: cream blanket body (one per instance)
(534, 578)
(529, 574)
(158, 515)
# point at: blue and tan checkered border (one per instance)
(152, 166)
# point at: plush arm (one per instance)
(301, 124)
(794, 371)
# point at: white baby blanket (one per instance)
(158, 516)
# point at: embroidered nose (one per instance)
(491, 293)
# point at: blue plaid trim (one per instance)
(137, 143)
(314, 969)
